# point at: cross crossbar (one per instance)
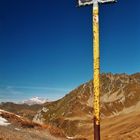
(91, 2)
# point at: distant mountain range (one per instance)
(73, 114)
(35, 100)
(27, 111)
(27, 108)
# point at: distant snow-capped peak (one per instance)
(35, 100)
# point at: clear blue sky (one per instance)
(46, 45)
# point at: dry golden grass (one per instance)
(25, 123)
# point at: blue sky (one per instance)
(46, 46)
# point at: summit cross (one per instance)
(96, 61)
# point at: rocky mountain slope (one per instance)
(15, 127)
(120, 95)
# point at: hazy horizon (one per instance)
(52, 94)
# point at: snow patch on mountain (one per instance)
(3, 122)
(35, 100)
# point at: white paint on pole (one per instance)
(91, 2)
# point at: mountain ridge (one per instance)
(74, 112)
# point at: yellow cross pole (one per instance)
(96, 75)
(96, 61)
